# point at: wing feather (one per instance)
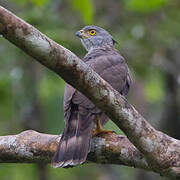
(80, 112)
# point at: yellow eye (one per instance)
(92, 32)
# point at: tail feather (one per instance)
(58, 156)
(75, 142)
(83, 139)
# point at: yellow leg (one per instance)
(99, 129)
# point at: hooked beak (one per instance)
(81, 34)
(78, 34)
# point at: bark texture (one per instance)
(33, 147)
(161, 151)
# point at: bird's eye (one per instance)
(92, 32)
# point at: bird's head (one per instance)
(95, 37)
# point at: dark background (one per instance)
(31, 96)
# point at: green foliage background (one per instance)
(31, 97)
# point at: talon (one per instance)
(99, 129)
(96, 133)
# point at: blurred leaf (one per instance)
(34, 2)
(51, 85)
(20, 2)
(5, 97)
(5, 84)
(154, 87)
(85, 8)
(39, 2)
(14, 172)
(112, 126)
(145, 6)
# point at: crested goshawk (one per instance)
(82, 117)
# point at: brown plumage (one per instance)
(79, 112)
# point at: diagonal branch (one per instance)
(161, 151)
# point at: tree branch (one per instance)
(33, 147)
(161, 151)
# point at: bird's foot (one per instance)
(101, 131)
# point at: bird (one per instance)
(82, 118)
